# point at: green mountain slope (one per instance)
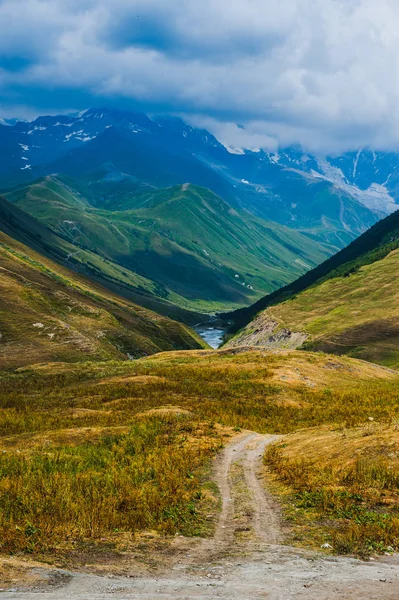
(347, 305)
(310, 205)
(200, 253)
(140, 290)
(49, 313)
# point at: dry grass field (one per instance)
(340, 486)
(92, 452)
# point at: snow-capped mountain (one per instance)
(46, 138)
(27, 146)
(370, 177)
(331, 198)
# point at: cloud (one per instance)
(253, 135)
(322, 73)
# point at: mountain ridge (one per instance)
(347, 305)
(48, 313)
(28, 230)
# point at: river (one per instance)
(213, 335)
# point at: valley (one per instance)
(118, 189)
(199, 365)
(224, 258)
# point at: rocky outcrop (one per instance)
(266, 333)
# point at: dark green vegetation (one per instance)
(102, 450)
(373, 245)
(184, 244)
(49, 313)
(349, 304)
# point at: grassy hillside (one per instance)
(48, 313)
(91, 454)
(349, 304)
(26, 229)
(200, 253)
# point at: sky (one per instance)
(257, 73)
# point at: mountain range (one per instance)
(115, 152)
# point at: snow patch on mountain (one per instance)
(86, 138)
(36, 128)
(356, 163)
(234, 150)
(79, 135)
(376, 197)
(275, 158)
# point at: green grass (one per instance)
(27, 230)
(184, 238)
(373, 246)
(353, 309)
(356, 315)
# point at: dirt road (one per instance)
(244, 560)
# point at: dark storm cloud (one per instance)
(319, 72)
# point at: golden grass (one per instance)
(341, 486)
(134, 379)
(147, 478)
(50, 313)
(96, 450)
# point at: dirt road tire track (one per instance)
(229, 567)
